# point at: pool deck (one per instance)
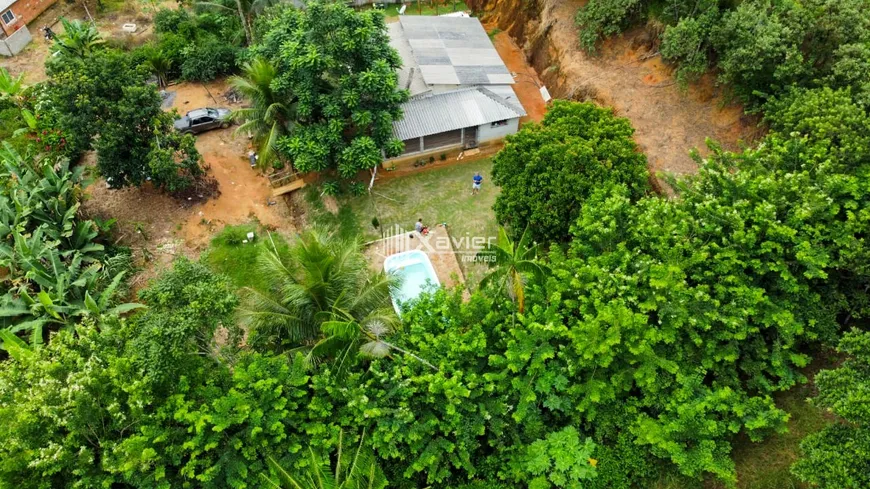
(436, 245)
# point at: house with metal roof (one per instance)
(14, 17)
(461, 90)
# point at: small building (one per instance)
(16, 14)
(461, 91)
(458, 118)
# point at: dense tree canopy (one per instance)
(547, 170)
(102, 100)
(336, 67)
(656, 331)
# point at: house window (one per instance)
(8, 17)
(498, 123)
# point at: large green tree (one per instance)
(335, 65)
(102, 101)
(686, 315)
(547, 170)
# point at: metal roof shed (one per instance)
(448, 111)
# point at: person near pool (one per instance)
(420, 228)
(476, 181)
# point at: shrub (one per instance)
(173, 46)
(233, 235)
(169, 20)
(687, 44)
(208, 60)
(838, 456)
(603, 18)
(358, 188)
(330, 188)
(560, 460)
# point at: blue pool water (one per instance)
(415, 273)
(413, 278)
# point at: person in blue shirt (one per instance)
(477, 180)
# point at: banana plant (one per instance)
(11, 87)
(54, 270)
(51, 288)
(49, 196)
(14, 346)
(32, 314)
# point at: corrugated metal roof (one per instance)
(447, 111)
(450, 50)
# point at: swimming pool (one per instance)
(415, 272)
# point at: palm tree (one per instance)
(353, 470)
(321, 297)
(247, 10)
(513, 263)
(160, 65)
(78, 39)
(269, 116)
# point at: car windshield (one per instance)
(212, 112)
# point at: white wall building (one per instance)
(461, 93)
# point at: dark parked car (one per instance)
(201, 120)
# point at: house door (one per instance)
(470, 137)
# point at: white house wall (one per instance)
(485, 132)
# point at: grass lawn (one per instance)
(438, 195)
(228, 255)
(766, 465)
(425, 8)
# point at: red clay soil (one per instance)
(31, 61)
(159, 227)
(527, 86)
(627, 76)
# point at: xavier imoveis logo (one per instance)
(467, 248)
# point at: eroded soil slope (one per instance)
(627, 75)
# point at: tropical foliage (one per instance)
(513, 265)
(269, 117)
(604, 18)
(356, 469)
(838, 455)
(321, 298)
(56, 270)
(103, 101)
(197, 47)
(646, 337)
(78, 40)
(547, 170)
(336, 69)
(760, 47)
